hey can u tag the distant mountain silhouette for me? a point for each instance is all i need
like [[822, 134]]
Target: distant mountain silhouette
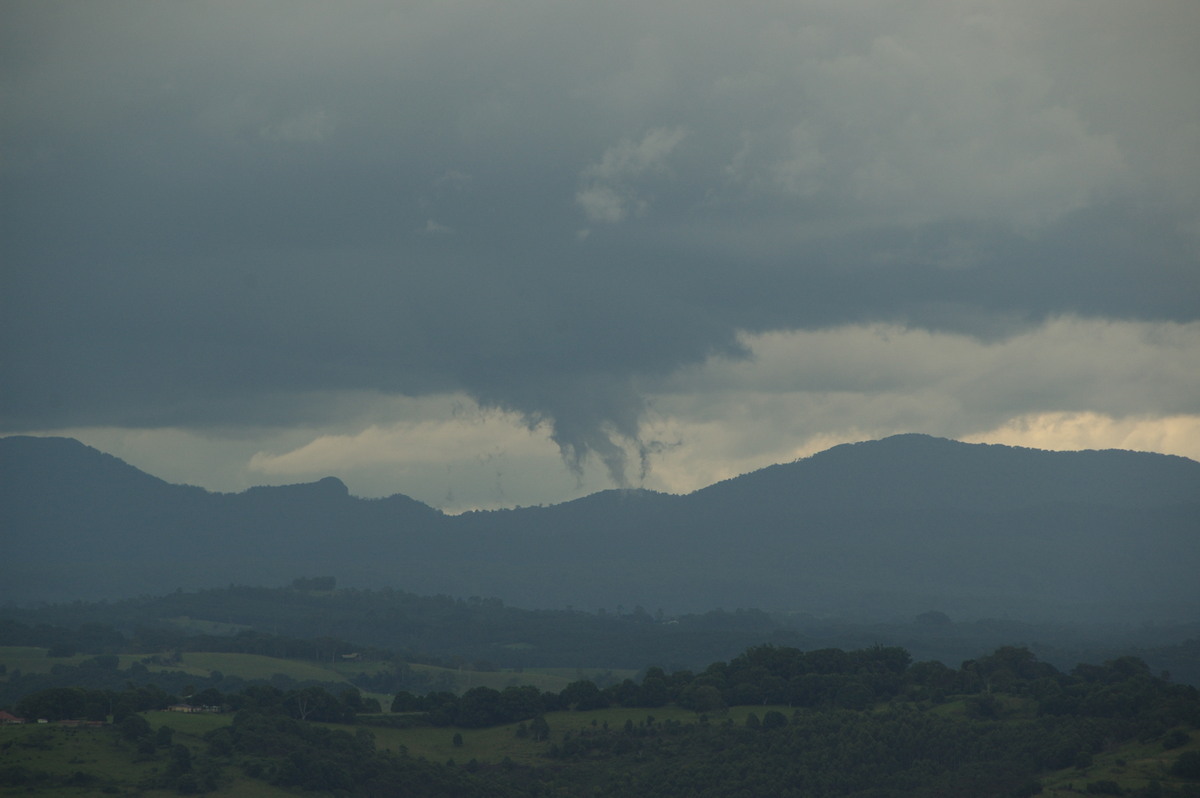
[[884, 528]]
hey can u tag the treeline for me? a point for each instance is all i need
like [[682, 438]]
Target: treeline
[[853, 680], [764, 675]]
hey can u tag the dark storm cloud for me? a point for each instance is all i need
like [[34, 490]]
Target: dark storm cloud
[[221, 214]]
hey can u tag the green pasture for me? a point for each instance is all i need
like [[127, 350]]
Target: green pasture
[[115, 768], [252, 666], [1131, 767], [568, 675], [1008, 707], [492, 745], [200, 626], [30, 659], [101, 753], [64, 750], [545, 679], [190, 724], [111, 764]]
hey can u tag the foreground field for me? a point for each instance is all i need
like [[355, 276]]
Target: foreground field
[[54, 760], [787, 723], [494, 745], [1133, 769], [90, 762]]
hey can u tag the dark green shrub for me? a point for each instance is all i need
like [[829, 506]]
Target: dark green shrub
[[1187, 766]]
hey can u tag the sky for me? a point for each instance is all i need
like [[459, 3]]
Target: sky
[[494, 254]]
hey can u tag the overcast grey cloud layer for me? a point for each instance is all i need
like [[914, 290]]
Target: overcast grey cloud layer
[[284, 215]]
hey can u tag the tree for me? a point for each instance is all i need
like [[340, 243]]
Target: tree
[[478, 707], [539, 729], [133, 727], [774, 720], [407, 702], [164, 737], [520, 703], [56, 703], [584, 696], [653, 692], [316, 703], [95, 710], [181, 760], [702, 698], [352, 699], [209, 697]]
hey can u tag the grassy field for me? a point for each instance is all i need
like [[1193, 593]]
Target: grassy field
[[199, 626], [108, 762], [112, 765], [494, 744], [102, 764], [545, 679], [1131, 767], [253, 666], [28, 659]]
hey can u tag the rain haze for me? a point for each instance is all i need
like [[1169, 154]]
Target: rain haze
[[498, 254]]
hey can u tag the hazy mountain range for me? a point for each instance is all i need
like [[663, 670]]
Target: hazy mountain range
[[878, 529]]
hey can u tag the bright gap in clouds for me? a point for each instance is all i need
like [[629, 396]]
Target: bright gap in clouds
[[452, 455], [1069, 384], [1076, 431]]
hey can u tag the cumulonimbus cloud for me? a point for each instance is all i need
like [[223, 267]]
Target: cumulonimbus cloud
[[389, 199]]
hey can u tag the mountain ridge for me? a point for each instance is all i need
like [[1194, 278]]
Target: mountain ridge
[[907, 523]]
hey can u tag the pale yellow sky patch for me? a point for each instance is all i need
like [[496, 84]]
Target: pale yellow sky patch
[[420, 444], [1178, 435]]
